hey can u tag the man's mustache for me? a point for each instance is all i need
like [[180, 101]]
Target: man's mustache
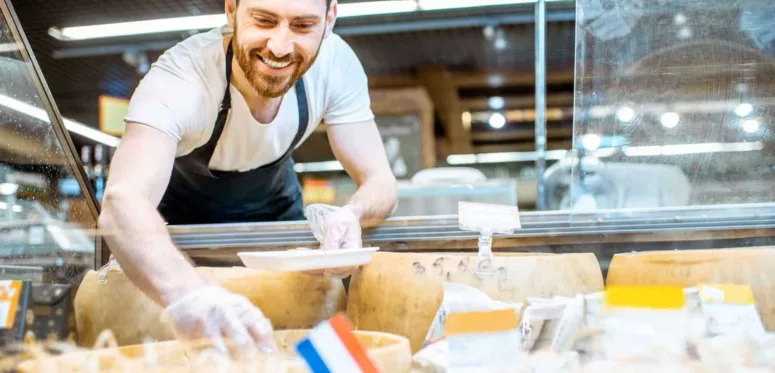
[[268, 55]]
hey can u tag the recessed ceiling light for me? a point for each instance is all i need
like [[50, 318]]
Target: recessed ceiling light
[[744, 110], [591, 141], [496, 102], [497, 121], [670, 119], [751, 125], [625, 114]]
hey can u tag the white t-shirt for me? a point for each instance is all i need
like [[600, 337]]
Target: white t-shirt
[[182, 93]]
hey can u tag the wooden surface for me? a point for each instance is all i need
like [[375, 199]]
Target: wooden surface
[[400, 293], [389, 353], [289, 300], [754, 267]]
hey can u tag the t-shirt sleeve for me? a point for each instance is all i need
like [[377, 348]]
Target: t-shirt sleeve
[[167, 100], [348, 96]]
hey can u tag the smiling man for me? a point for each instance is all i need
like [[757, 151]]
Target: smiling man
[[209, 136]]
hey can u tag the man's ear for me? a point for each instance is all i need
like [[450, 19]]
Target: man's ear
[[331, 18], [231, 12]]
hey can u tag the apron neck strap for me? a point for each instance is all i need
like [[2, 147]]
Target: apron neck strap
[[226, 102]]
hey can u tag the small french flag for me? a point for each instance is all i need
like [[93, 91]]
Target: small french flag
[[331, 347]]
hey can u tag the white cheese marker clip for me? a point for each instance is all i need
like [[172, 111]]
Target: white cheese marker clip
[[488, 220]]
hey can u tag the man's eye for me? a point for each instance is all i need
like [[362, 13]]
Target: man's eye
[[264, 22], [304, 26]]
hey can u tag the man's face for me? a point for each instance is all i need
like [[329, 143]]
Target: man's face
[[276, 41]]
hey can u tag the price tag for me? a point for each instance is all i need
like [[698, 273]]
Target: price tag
[[487, 340], [729, 309], [481, 216], [10, 291]]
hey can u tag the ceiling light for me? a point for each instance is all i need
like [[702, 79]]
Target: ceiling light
[[744, 110], [456, 4], [202, 22], [500, 44], [139, 27], [495, 80], [467, 118], [497, 121], [497, 102], [685, 33], [8, 47], [591, 141], [8, 189], [489, 32], [210, 21], [682, 149], [625, 114], [508, 157], [670, 119], [70, 125], [751, 125]]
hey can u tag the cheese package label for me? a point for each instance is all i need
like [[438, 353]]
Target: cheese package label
[[10, 291], [729, 309], [644, 318], [649, 297], [730, 294], [483, 340], [482, 322]]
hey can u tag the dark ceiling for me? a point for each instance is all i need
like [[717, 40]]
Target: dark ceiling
[[389, 45]]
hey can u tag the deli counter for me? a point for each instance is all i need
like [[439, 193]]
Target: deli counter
[[666, 198]]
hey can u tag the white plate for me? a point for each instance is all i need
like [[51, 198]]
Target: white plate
[[306, 260]]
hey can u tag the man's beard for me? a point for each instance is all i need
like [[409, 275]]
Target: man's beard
[[267, 85]]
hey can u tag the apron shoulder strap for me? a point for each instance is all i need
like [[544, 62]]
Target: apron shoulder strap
[[220, 123], [301, 99]]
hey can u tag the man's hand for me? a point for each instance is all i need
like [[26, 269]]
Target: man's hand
[[342, 230], [337, 228], [212, 313]]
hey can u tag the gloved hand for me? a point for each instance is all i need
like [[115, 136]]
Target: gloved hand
[[342, 230], [336, 228], [213, 313]]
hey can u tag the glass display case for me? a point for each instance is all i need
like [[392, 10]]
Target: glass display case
[[673, 123], [47, 210]]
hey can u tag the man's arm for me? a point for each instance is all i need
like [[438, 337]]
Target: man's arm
[[134, 230], [359, 148]]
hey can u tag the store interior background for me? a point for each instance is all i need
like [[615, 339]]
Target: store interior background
[[456, 88]]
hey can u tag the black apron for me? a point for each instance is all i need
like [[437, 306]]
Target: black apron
[[198, 195]]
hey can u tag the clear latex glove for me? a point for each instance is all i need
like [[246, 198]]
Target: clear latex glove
[[214, 314], [335, 228]]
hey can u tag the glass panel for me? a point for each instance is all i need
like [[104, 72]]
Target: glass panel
[[673, 107], [45, 215]]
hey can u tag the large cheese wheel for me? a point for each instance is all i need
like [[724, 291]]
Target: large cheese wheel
[[390, 353], [753, 267], [400, 293], [290, 300]]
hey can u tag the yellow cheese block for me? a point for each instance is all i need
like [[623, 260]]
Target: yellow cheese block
[[400, 293], [390, 353], [752, 267], [290, 300]]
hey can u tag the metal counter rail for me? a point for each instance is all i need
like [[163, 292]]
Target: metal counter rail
[[756, 220]]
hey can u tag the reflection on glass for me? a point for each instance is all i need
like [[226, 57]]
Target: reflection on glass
[[674, 105], [44, 215]]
